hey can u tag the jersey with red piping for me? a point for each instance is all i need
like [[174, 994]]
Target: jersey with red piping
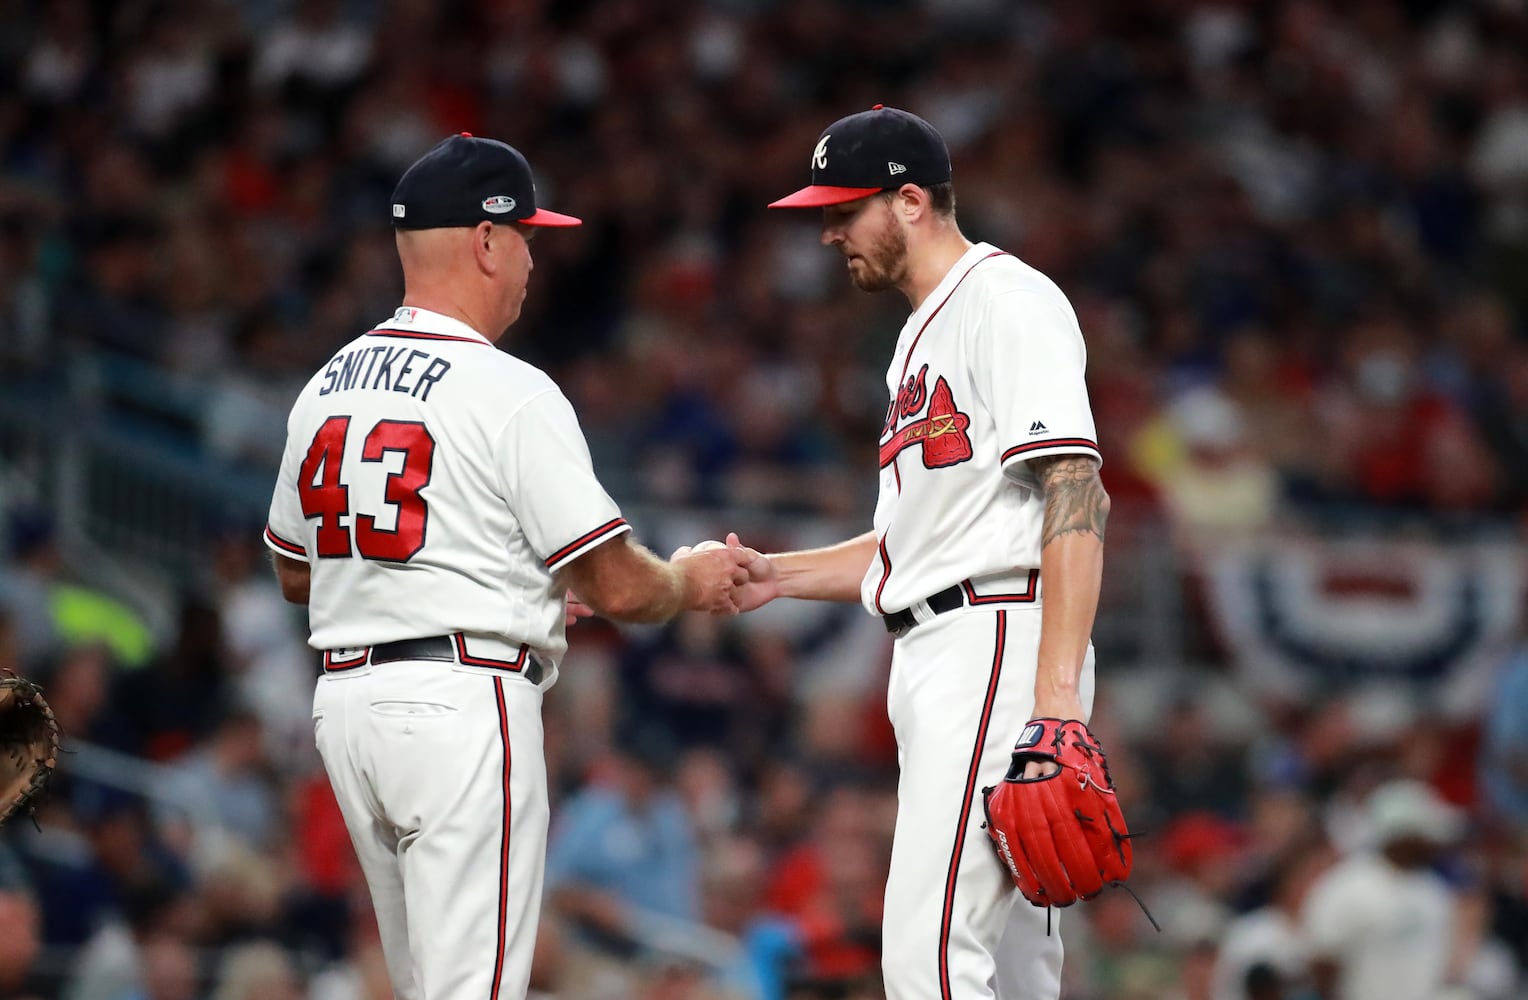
[[435, 485], [987, 375]]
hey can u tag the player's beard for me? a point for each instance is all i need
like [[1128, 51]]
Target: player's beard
[[884, 262]]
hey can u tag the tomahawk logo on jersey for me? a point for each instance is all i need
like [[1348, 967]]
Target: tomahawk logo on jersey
[[941, 432], [962, 406]]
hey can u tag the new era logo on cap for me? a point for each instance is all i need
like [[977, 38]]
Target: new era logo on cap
[[876, 150]]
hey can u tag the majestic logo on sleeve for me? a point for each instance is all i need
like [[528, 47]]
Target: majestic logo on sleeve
[[941, 432]]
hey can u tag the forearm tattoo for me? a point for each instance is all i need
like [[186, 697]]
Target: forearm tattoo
[[1075, 500]]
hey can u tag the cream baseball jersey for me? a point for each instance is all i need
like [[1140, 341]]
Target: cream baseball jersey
[[987, 374], [434, 485]]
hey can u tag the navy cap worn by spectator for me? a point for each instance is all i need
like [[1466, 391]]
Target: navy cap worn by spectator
[[30, 532], [872, 151], [466, 180]]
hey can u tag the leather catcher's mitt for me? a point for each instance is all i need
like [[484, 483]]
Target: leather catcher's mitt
[[1062, 837], [28, 744]]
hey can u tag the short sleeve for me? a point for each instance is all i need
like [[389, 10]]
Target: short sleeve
[[548, 476], [285, 526], [1029, 366]]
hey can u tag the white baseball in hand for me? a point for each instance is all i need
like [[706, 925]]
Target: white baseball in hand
[[685, 551]]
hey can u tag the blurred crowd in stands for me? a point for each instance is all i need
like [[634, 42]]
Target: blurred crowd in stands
[[1296, 235]]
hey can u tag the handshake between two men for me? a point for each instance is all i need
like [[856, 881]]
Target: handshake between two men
[[729, 577], [719, 578]]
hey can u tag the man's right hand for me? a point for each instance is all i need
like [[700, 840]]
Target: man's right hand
[[711, 577], [763, 583]]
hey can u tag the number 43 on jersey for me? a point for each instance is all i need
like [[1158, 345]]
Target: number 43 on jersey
[[327, 497]]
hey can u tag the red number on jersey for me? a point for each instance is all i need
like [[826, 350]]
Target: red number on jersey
[[407, 535], [327, 498]]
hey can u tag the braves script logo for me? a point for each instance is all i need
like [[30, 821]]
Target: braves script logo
[[820, 154], [941, 433]]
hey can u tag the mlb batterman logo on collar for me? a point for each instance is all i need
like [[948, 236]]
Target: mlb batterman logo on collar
[[872, 151], [466, 180]]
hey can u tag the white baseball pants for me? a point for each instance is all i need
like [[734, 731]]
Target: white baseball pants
[[961, 689], [440, 773]]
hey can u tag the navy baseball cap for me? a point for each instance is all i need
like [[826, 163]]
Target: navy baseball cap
[[876, 150], [466, 180]]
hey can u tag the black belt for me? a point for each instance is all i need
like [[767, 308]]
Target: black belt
[[898, 623], [442, 647], [436, 647]]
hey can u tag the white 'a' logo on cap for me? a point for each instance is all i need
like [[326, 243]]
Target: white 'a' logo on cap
[[820, 154]]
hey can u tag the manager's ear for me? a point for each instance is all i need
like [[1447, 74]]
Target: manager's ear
[[487, 247]]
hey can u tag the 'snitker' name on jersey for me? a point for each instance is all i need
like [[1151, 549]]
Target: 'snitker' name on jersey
[[386, 368]]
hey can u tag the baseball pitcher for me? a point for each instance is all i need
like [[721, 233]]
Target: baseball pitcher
[[985, 563]]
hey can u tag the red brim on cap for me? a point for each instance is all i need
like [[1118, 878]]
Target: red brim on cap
[[541, 217], [818, 195]]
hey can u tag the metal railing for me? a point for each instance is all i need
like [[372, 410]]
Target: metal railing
[[143, 778], [132, 505], [127, 504]]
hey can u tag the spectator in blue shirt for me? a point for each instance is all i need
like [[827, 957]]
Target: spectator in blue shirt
[[1504, 760], [623, 852]]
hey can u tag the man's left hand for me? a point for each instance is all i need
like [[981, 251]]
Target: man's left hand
[[576, 609]]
